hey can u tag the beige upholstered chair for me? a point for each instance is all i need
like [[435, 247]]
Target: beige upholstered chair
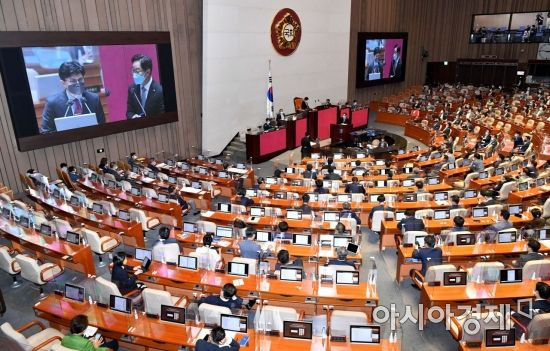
[[43, 340], [99, 244], [9, 264], [252, 264], [38, 274], [340, 322], [272, 317], [147, 223], [210, 314], [153, 299]]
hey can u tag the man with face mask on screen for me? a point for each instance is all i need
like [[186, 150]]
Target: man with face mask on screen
[[74, 100], [145, 97]]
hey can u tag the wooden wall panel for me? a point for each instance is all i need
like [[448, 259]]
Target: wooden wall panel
[[441, 27], [183, 18]]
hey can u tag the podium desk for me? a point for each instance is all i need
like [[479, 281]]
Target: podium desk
[[392, 118], [359, 117], [75, 257], [295, 131], [340, 133], [132, 233], [263, 146], [320, 119], [418, 133]]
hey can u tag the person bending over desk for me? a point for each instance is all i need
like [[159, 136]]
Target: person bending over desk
[[429, 255], [76, 341], [124, 280], [283, 260], [227, 298], [348, 213], [342, 255], [216, 341], [410, 223], [489, 234]]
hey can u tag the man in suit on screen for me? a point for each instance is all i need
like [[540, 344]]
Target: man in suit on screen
[[145, 96], [395, 70], [73, 100]]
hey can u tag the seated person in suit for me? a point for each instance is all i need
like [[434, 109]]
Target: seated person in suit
[[72, 174], [429, 255], [152, 165], [214, 258], [342, 254], [248, 247], [145, 96], [380, 207], [282, 234], [76, 340], [103, 164], [533, 247], [420, 187], [458, 224], [340, 229], [113, 169], [331, 175], [164, 239], [537, 223], [132, 160], [267, 125], [355, 187], [243, 200], [227, 298], [358, 168], [124, 280], [410, 223], [489, 234], [348, 213], [329, 163], [73, 100], [319, 187], [455, 202], [174, 195], [309, 173], [518, 140], [216, 341], [477, 164], [283, 260], [541, 304], [305, 103], [492, 195], [306, 209]]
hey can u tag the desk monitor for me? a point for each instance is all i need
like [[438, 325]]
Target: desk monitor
[[184, 166], [151, 174], [200, 157], [56, 193], [408, 182], [145, 264], [433, 180], [218, 162], [74, 201], [135, 169], [353, 248], [454, 278], [364, 334], [523, 186], [442, 214], [195, 185], [385, 171], [170, 163], [541, 181], [298, 330], [414, 148], [234, 323], [202, 170], [120, 304], [483, 175], [327, 183], [73, 238], [512, 275], [289, 170], [162, 197], [451, 166], [172, 180], [399, 215], [224, 207], [380, 162], [326, 239], [331, 216], [479, 212], [466, 163], [315, 156], [190, 227], [381, 183], [291, 274], [187, 262], [270, 180], [470, 194], [373, 197], [465, 239], [514, 167], [240, 166], [111, 184], [123, 215], [515, 209], [251, 193], [400, 152], [506, 236], [525, 163], [441, 196], [423, 158], [263, 236], [359, 172], [74, 292], [343, 198], [135, 191], [337, 156], [419, 240], [97, 208], [301, 239], [280, 195], [499, 171], [500, 338], [223, 174], [338, 171], [543, 234], [341, 241], [94, 176], [24, 221], [347, 277], [141, 254], [407, 170], [46, 229], [257, 211], [237, 268], [224, 232], [409, 197], [6, 213], [297, 182], [360, 155], [294, 214]]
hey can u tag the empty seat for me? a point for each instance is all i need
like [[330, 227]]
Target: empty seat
[[377, 217], [272, 317], [38, 274], [537, 269], [153, 299], [340, 322], [433, 274], [99, 244], [485, 272], [147, 223], [62, 227], [210, 314], [9, 264], [166, 252], [104, 289], [43, 340], [206, 227]]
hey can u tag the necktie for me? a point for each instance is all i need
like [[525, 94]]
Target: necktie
[[77, 107], [143, 95]]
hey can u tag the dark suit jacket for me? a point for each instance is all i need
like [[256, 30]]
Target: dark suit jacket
[[246, 201], [114, 173], [306, 144], [518, 141], [56, 106], [395, 70], [125, 281], [411, 224], [332, 176], [305, 105], [309, 174], [154, 105], [429, 257], [378, 208], [203, 345], [542, 305], [355, 188], [528, 257], [350, 214]]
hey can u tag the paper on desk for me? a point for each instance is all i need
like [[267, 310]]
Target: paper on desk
[[162, 165], [191, 190], [238, 282], [207, 214], [89, 331], [223, 243], [147, 180], [237, 170]]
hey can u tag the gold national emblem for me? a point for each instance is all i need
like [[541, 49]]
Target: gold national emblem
[[286, 31]]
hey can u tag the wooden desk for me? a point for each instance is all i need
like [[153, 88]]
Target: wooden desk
[[265, 145], [392, 118], [75, 257], [131, 231], [518, 347], [418, 133], [466, 255], [516, 197], [340, 133], [409, 155], [341, 190], [168, 213]]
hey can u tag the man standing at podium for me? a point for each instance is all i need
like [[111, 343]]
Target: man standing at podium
[[306, 145], [72, 101], [145, 96]]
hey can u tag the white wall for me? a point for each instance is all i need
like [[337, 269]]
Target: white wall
[[236, 50]]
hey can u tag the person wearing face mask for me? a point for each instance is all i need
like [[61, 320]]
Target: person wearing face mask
[[132, 160], [113, 169], [395, 70], [74, 100], [376, 68], [145, 96]]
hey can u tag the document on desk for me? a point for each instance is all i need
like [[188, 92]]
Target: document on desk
[[191, 190], [162, 165], [89, 331], [147, 180], [442, 203], [223, 243], [207, 214], [238, 282], [237, 170]]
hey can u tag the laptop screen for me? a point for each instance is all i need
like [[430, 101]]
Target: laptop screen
[[120, 304], [469, 194], [454, 278], [250, 193], [515, 209], [24, 222], [263, 236], [124, 215], [224, 207], [373, 198], [364, 334], [46, 229], [347, 277], [187, 262], [478, 212], [163, 197], [399, 215], [301, 239], [513, 275], [257, 211], [442, 214], [499, 171], [441, 196], [500, 338], [224, 232], [298, 330], [542, 234], [523, 186], [419, 240], [75, 201], [73, 238], [195, 185], [331, 216], [341, 241], [74, 292], [380, 183], [270, 180], [98, 208], [142, 253], [111, 184], [343, 197], [483, 175], [506, 237], [234, 323], [172, 180], [433, 181], [135, 191], [465, 239], [237, 268], [291, 274], [408, 182], [222, 174], [189, 227], [293, 214]]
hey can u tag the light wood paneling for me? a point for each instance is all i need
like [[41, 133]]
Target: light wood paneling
[[440, 26], [183, 18]]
